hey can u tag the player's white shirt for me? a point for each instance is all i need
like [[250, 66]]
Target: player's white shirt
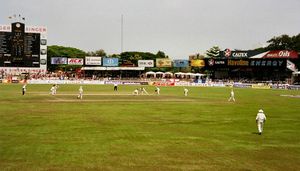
[[24, 87], [261, 117], [157, 90], [232, 94], [135, 92], [80, 90], [185, 91]]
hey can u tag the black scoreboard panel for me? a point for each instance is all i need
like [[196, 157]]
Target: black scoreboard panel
[[19, 49]]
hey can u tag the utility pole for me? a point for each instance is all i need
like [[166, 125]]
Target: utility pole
[[122, 33]]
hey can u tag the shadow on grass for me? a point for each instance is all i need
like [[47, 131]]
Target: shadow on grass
[[255, 133]]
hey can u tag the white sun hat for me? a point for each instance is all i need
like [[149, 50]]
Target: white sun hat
[[260, 111]]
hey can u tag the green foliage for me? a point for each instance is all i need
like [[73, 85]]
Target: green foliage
[[99, 52], [284, 42], [213, 52]]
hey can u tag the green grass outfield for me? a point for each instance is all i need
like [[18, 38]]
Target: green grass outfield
[[119, 131]]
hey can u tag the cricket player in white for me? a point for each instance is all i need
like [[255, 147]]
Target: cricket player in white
[[185, 91], [231, 96], [157, 90], [135, 92], [53, 90], [80, 93], [260, 120], [24, 89]]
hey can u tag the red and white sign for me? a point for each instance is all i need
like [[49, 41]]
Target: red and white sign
[[145, 63], [286, 54], [281, 54], [5, 28], [35, 29], [75, 61], [227, 52], [28, 29]]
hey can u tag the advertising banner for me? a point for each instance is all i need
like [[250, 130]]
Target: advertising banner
[[216, 62], [75, 61], [282, 54], [145, 63], [268, 63], [59, 60], [238, 63], [163, 62], [197, 63], [227, 53], [92, 60], [286, 54], [180, 63], [111, 62]]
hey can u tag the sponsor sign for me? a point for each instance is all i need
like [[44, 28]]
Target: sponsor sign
[[238, 63], [237, 53], [28, 29], [214, 62], [197, 63], [282, 54], [163, 62], [145, 63], [267, 63], [59, 60], [91, 60], [75, 61], [180, 63], [5, 28], [261, 86], [111, 62]]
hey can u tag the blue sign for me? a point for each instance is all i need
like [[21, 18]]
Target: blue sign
[[181, 63], [113, 62]]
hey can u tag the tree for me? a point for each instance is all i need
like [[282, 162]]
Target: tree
[[283, 42], [161, 54], [99, 52], [213, 52]]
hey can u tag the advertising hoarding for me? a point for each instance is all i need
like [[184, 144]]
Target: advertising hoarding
[[111, 62], [92, 60], [145, 63], [197, 63], [163, 62], [75, 61], [59, 60], [180, 63]]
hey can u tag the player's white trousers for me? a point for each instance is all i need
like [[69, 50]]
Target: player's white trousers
[[260, 126]]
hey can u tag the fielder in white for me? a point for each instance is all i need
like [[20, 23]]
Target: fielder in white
[[185, 91], [157, 90], [231, 96], [80, 93], [53, 90], [135, 92], [260, 120]]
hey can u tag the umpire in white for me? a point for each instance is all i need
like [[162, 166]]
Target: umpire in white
[[260, 120]]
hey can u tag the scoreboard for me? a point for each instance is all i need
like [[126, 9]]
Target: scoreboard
[[23, 48]]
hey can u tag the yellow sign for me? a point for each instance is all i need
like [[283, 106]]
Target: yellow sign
[[163, 62], [197, 63]]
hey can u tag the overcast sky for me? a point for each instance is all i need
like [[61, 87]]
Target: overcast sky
[[177, 27]]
